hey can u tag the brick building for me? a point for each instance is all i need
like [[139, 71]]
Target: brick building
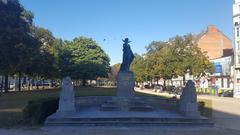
[[215, 43]]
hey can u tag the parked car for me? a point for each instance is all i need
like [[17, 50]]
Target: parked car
[[147, 86], [228, 93], [158, 88]]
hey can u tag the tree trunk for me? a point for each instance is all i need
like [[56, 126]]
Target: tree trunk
[[84, 82], [51, 83], [19, 81], [33, 84], [2, 84], [184, 80], [43, 84], [37, 84], [29, 83], [6, 88], [164, 84]]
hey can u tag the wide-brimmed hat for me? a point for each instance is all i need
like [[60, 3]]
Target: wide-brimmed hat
[[126, 40]]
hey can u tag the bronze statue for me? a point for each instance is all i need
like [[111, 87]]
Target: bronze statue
[[128, 56]]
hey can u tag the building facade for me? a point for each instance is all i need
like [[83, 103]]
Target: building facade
[[220, 52], [236, 31], [215, 43]]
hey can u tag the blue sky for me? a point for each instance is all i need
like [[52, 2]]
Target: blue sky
[[142, 21]]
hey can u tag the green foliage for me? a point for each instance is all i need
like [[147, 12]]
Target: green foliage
[[114, 71], [138, 67], [84, 59], [173, 58], [18, 46], [37, 111], [16, 43], [45, 60]]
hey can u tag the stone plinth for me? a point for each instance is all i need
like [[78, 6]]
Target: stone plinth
[[188, 101], [67, 98], [125, 85], [126, 104]]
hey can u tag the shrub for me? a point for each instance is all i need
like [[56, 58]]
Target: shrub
[[201, 107], [37, 111]]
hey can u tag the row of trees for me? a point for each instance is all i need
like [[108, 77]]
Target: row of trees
[[171, 59], [34, 51]]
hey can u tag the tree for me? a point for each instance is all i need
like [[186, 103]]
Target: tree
[[114, 72], [83, 59], [171, 59], [47, 57], [16, 41], [155, 46], [138, 68], [153, 60], [190, 57]]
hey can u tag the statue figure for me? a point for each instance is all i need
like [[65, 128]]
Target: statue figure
[[128, 56]]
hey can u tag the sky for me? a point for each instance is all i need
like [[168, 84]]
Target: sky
[[142, 21]]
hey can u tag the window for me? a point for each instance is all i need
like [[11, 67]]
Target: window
[[236, 23], [238, 80], [237, 32], [238, 59], [238, 45]]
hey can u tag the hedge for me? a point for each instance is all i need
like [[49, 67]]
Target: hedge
[[37, 111]]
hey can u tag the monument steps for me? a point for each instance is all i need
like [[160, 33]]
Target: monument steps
[[128, 121]]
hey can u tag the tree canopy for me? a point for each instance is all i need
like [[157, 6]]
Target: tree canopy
[[16, 41], [171, 59], [83, 59]]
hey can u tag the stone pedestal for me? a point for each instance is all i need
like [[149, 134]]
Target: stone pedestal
[[188, 101], [125, 85], [126, 104], [67, 98], [125, 100]]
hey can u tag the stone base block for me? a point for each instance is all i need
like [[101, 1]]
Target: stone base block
[[125, 84]]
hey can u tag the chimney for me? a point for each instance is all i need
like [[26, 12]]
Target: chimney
[[212, 29]]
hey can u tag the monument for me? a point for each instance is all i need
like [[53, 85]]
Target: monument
[[126, 108], [188, 101], [125, 78], [67, 98], [126, 100]]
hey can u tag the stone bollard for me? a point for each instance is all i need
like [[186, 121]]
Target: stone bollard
[[67, 98], [188, 101]]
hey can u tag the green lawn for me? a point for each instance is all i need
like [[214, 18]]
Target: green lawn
[[207, 110], [13, 103]]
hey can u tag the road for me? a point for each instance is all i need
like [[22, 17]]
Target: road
[[226, 111]]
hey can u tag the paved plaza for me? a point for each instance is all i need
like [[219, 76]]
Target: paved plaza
[[226, 116], [226, 110], [122, 131]]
